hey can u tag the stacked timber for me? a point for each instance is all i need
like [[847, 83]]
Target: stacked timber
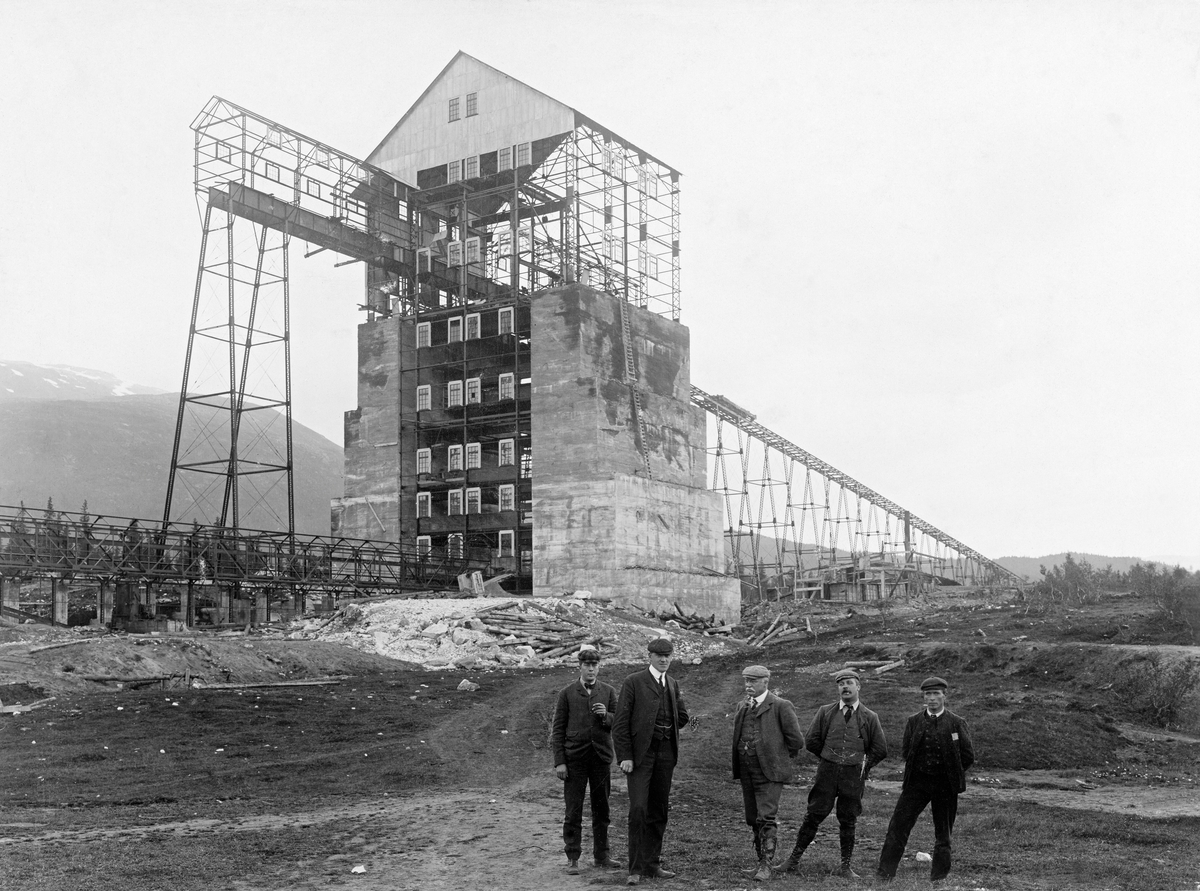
[[693, 622], [550, 636], [779, 631]]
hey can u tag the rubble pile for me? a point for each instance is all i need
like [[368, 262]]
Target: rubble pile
[[481, 633]]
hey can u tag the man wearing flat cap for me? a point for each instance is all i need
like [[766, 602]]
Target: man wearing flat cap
[[937, 754], [766, 736], [583, 755], [848, 739], [650, 714]]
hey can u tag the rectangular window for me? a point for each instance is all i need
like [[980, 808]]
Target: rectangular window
[[473, 326], [526, 466], [507, 543], [473, 389], [507, 388], [424, 500], [507, 453], [473, 500], [454, 109], [652, 266], [424, 545], [454, 502], [454, 455], [454, 329], [454, 544], [471, 167], [273, 171], [522, 154], [508, 498], [424, 333], [454, 253], [424, 460], [472, 249], [454, 393], [424, 397], [504, 158], [504, 321], [473, 454], [472, 104], [454, 172], [224, 152]]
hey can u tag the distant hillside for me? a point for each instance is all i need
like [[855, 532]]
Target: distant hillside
[[1030, 566], [115, 450], [25, 380]]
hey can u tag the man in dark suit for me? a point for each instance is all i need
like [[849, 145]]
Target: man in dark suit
[[849, 740], [650, 714], [766, 736], [937, 754], [583, 754]]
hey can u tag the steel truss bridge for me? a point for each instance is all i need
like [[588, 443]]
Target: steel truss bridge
[[281, 573]]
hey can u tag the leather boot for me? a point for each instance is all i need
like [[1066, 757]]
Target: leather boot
[[847, 844], [766, 857], [757, 850], [803, 840]]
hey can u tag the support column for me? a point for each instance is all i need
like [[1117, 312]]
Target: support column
[[58, 602], [260, 614], [10, 596], [104, 602], [185, 605], [151, 600]]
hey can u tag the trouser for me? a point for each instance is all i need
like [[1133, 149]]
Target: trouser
[[919, 790], [649, 785], [834, 783], [760, 798], [582, 773]]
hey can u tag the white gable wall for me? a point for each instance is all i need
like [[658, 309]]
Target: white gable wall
[[509, 113]]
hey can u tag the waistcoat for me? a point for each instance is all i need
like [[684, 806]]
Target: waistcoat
[[843, 743]]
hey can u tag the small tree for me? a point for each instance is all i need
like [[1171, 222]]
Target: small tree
[[1167, 690]]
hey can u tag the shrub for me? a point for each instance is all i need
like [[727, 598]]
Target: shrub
[[1165, 690]]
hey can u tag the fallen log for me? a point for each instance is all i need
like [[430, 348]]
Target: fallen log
[[315, 682]]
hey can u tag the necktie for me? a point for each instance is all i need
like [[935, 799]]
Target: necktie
[[848, 712], [588, 688], [749, 702]]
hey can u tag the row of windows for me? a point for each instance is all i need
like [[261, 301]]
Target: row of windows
[[472, 106], [505, 545], [506, 159], [467, 501], [459, 328], [467, 457], [468, 392]]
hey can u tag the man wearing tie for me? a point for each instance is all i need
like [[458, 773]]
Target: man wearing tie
[[766, 736], [583, 754], [849, 740], [650, 714]]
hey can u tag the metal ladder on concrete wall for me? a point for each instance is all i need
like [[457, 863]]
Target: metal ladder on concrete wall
[[635, 390]]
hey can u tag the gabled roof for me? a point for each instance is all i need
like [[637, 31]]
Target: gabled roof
[[580, 118]]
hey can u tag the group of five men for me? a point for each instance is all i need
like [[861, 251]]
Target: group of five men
[[641, 725]]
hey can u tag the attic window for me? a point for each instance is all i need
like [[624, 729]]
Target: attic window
[[454, 109], [472, 104]]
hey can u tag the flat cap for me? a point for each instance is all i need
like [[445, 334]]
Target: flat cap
[[933, 684], [661, 645], [588, 653], [757, 672], [846, 673]]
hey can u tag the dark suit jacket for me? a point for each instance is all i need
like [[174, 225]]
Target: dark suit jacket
[[637, 707], [951, 736], [874, 742], [779, 738], [576, 730]]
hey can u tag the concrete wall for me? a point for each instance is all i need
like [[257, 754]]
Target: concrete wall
[[598, 522], [370, 506]]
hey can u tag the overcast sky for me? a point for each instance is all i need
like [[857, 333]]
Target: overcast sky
[[949, 247]]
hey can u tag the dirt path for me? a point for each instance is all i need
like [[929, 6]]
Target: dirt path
[[420, 842]]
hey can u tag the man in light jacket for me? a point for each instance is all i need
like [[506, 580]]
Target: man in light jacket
[[766, 736]]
